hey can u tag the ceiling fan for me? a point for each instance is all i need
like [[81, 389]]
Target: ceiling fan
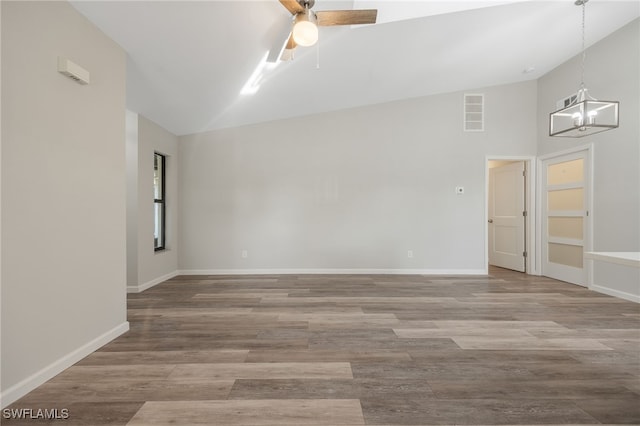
[[306, 22]]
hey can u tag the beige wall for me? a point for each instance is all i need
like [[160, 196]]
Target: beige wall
[[154, 267], [132, 199], [63, 193], [350, 190], [498, 163]]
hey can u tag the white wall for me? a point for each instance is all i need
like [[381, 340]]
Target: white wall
[[145, 266], [350, 190], [612, 70], [63, 194]]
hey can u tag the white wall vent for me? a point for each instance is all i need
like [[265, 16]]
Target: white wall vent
[[73, 70], [473, 112], [563, 103]]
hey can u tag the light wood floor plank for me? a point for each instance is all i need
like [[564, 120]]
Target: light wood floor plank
[[528, 343], [428, 333], [259, 370], [319, 355], [493, 324], [265, 412], [164, 357]]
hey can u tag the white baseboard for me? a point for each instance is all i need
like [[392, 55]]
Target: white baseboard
[[142, 287], [616, 293], [332, 272], [22, 388]]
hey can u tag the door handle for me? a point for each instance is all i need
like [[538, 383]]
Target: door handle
[[490, 220]]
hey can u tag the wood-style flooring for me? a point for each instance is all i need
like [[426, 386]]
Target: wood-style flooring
[[503, 349]]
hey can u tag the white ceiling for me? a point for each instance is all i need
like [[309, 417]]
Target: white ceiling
[[189, 60]]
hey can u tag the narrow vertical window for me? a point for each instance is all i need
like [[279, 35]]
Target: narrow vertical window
[[159, 201]]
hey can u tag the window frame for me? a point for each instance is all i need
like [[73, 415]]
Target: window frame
[[160, 243]]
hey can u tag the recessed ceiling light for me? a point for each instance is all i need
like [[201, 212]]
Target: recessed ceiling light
[[528, 70]]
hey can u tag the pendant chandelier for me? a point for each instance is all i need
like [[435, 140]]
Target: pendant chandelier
[[585, 115]]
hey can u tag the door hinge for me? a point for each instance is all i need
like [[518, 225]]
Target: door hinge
[[524, 173], [524, 213], [524, 254]]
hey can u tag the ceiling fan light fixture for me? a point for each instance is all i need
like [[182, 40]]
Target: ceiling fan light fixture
[[305, 28]]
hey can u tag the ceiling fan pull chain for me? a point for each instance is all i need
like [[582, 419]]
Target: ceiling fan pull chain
[[317, 56]]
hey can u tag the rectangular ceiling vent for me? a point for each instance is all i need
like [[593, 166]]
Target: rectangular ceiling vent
[[563, 103], [473, 112]]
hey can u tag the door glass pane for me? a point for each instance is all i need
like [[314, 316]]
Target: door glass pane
[[565, 254], [566, 172], [565, 199], [566, 227]]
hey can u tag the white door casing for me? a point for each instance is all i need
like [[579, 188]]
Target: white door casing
[[506, 208]]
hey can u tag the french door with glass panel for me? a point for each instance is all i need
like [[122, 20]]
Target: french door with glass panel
[[564, 216]]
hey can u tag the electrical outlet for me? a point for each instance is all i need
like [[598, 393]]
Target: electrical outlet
[[459, 190], [244, 254], [410, 254]]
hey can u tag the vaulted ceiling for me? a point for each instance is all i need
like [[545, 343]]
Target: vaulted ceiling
[[188, 61]]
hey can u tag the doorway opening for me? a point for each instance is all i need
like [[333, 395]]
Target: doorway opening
[[510, 204]]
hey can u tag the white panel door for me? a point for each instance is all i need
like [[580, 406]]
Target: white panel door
[[564, 217], [507, 217]]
